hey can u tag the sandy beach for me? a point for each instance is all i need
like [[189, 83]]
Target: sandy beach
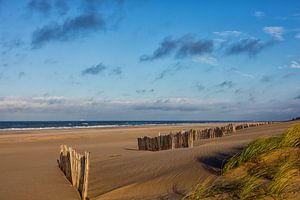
[[29, 169]]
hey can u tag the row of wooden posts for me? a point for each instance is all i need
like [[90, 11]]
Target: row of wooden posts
[[75, 166], [248, 125], [164, 142], [213, 132], [184, 139]]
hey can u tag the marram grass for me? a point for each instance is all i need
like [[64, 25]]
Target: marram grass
[[200, 191], [268, 168], [290, 138], [249, 188], [281, 180]]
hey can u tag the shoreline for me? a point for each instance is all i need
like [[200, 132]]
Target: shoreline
[[15, 130], [20, 130]]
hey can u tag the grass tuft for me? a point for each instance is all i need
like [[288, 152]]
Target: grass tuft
[[291, 138], [282, 178], [200, 191], [249, 188]]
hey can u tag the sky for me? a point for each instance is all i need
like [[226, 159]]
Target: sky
[[149, 60]]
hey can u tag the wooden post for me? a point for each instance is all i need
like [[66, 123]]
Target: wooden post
[[72, 162], [190, 140], [179, 140], [172, 141], [76, 168], [86, 175], [233, 128], [141, 144], [148, 145]]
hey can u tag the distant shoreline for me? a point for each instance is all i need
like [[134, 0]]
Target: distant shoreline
[[62, 125]]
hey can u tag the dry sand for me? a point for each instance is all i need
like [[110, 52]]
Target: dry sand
[[28, 168]]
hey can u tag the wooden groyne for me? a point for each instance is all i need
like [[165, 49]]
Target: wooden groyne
[[75, 166], [248, 125], [184, 139], [164, 142], [213, 132]]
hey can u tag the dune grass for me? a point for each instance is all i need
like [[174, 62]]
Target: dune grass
[[290, 138], [200, 191], [268, 168], [284, 174]]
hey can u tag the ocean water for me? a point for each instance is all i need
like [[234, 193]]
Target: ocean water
[[20, 125]]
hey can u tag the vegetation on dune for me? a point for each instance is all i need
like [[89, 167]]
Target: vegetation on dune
[[268, 168], [291, 138]]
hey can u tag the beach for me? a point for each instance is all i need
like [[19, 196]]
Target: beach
[[118, 170]]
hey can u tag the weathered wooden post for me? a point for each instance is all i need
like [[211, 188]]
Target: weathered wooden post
[[172, 141], [210, 133], [159, 138], [178, 140], [153, 141], [147, 143], [217, 132], [184, 136], [86, 175], [76, 168], [141, 144], [190, 139], [233, 128]]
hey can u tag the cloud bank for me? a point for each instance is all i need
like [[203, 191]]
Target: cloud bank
[[63, 108], [202, 49]]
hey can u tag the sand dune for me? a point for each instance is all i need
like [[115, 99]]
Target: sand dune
[[29, 170]]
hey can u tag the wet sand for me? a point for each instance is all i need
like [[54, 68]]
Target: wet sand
[[28, 168]]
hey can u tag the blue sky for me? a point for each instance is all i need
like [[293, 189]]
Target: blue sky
[[149, 60]]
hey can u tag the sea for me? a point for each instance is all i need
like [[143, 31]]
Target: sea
[[25, 125]]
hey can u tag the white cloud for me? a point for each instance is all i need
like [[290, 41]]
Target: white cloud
[[207, 59], [295, 65], [296, 15], [241, 73], [245, 74], [229, 33], [282, 67], [259, 14], [275, 31]]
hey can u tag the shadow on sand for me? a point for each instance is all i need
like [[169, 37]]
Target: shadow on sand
[[215, 163], [131, 149]]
